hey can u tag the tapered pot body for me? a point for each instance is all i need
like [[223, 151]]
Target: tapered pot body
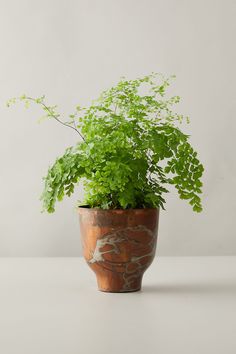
[[119, 245]]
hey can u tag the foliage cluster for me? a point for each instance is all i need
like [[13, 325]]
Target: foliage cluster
[[130, 149]]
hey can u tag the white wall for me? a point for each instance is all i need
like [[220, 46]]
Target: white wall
[[70, 50]]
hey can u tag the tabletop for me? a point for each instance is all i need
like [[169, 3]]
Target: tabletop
[[52, 306]]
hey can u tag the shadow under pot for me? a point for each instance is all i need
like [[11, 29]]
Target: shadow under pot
[[119, 245]]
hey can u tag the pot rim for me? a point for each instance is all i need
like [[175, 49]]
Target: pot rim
[[118, 211]]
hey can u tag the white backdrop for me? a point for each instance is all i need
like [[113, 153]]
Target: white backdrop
[[70, 50]]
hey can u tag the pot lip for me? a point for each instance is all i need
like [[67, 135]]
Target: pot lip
[[84, 208]]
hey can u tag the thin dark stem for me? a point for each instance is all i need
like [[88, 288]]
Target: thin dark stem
[[57, 119], [61, 122]]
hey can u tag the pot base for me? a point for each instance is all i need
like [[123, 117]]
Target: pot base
[[121, 291], [113, 282]]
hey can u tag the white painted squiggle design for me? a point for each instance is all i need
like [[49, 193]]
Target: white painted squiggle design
[[133, 268], [107, 240]]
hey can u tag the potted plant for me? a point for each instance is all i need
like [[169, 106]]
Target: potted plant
[[130, 149]]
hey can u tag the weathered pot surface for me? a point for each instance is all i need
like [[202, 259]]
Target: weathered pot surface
[[119, 245]]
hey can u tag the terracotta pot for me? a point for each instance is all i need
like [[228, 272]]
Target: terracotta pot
[[119, 245]]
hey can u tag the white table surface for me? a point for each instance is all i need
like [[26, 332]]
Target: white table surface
[[52, 306]]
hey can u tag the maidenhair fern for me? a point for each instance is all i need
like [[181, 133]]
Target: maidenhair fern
[[130, 148]]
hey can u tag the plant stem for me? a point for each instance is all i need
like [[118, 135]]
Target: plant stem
[[57, 119]]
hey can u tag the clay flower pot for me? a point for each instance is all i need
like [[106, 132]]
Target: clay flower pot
[[119, 245]]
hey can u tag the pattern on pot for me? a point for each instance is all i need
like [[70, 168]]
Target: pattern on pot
[[110, 252]]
